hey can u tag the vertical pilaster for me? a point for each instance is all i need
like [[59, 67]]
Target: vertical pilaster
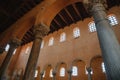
[[39, 32], [14, 43], [108, 41]]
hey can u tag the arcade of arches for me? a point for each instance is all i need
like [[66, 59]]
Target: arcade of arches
[[85, 49]]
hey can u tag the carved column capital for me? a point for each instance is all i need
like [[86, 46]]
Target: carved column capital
[[54, 73], [89, 69], [41, 73], [40, 30], [15, 42], [90, 3], [69, 71]]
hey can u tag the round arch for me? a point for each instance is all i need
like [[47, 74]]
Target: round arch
[[53, 10], [45, 67], [61, 66], [80, 65], [76, 60], [96, 65], [93, 58], [46, 72], [58, 64]]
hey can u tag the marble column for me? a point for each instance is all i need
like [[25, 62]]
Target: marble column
[[14, 43], [39, 32], [89, 70], [108, 42], [69, 74], [54, 75], [41, 76]]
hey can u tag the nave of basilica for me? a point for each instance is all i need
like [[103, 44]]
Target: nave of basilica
[[60, 40]]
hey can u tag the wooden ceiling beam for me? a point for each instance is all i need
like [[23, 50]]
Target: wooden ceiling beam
[[62, 18], [74, 6], [24, 9], [28, 6], [21, 6], [57, 22], [28, 35], [4, 12], [39, 1], [20, 12], [53, 27], [23, 40], [30, 32], [3, 44], [32, 3], [69, 14]]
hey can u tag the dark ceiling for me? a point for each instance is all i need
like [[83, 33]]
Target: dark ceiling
[[12, 10]]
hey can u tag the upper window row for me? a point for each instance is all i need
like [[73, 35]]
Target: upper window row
[[76, 33], [112, 19]]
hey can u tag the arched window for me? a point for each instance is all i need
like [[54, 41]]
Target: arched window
[[62, 37], [36, 73], [62, 72], [113, 20], [51, 41], [74, 71], [92, 27], [42, 44], [51, 75], [7, 47], [103, 66], [76, 32]]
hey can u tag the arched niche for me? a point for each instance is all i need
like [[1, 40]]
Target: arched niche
[[96, 65], [46, 72], [61, 66], [80, 64]]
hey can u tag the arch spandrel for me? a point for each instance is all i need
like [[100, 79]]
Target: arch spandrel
[[19, 33], [50, 12]]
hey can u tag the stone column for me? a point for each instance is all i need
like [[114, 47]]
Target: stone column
[[41, 76], [89, 73], [69, 74], [39, 32], [54, 75], [14, 43], [108, 42]]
